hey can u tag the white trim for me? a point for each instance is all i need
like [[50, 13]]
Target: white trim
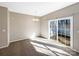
[[4, 46], [8, 27], [16, 40], [48, 29], [57, 30], [71, 33], [75, 50]]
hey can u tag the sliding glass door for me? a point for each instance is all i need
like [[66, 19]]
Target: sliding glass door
[[61, 30]]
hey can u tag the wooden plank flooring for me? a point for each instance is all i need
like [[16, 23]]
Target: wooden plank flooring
[[20, 48], [25, 48]]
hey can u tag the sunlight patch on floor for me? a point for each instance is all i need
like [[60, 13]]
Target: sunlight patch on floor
[[47, 47], [57, 50], [44, 51]]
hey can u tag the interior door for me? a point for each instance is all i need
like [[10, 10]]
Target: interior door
[[3, 27]]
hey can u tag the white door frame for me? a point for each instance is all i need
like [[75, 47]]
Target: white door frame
[[71, 28]]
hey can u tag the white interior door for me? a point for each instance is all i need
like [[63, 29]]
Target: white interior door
[[3, 27]]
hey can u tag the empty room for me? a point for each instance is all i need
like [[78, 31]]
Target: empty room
[[39, 28]]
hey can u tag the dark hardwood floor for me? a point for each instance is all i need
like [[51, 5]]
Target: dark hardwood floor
[[20, 48], [25, 48]]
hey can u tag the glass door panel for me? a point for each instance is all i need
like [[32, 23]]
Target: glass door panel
[[64, 31], [53, 30], [61, 31], [68, 32]]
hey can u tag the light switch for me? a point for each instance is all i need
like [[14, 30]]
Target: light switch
[[3, 30]]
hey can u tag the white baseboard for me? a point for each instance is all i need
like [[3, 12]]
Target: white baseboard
[[16, 40], [75, 50], [4, 46], [10, 42]]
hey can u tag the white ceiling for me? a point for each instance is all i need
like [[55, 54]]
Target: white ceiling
[[35, 8]]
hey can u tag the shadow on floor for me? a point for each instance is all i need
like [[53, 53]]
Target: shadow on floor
[[66, 49], [20, 48]]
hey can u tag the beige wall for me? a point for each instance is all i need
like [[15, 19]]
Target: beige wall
[[22, 26], [76, 32], [72, 10], [3, 27]]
